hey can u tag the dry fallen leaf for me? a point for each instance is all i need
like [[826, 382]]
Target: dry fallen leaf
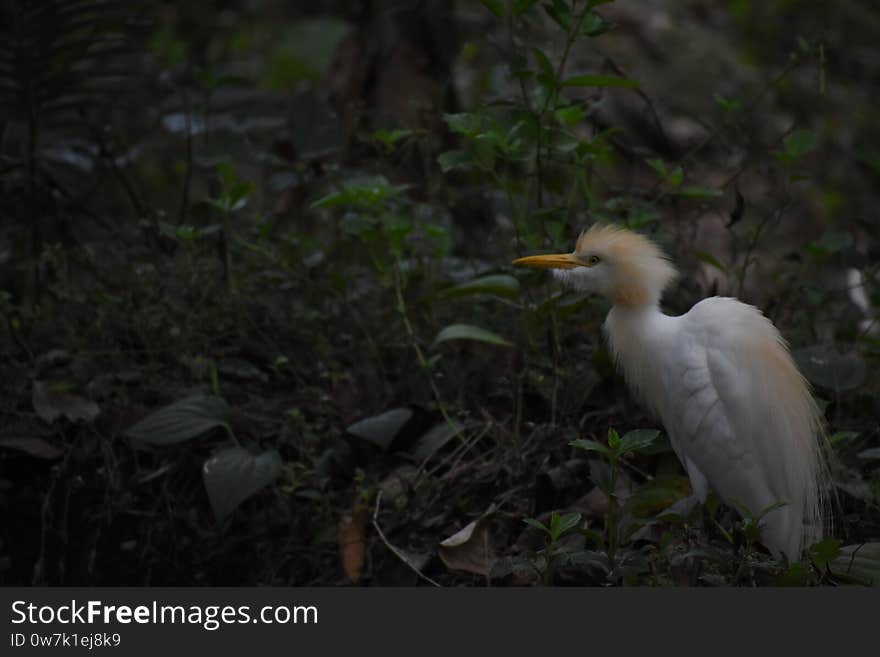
[[470, 549], [352, 542], [50, 404], [36, 447]]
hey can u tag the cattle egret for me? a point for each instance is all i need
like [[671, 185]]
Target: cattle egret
[[738, 413]]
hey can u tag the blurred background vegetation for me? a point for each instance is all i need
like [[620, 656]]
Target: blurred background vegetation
[[258, 320]]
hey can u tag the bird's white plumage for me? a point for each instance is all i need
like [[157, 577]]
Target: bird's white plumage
[[737, 412], [739, 415]]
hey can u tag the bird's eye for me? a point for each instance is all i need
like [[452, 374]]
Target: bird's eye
[[593, 260]]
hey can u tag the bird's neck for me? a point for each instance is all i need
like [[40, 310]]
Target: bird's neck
[[637, 338], [637, 317]]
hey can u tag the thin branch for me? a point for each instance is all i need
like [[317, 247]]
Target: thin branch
[[397, 552]]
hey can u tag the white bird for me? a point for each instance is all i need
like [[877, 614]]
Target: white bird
[[738, 412]]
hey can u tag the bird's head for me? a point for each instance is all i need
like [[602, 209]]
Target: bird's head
[[617, 263]]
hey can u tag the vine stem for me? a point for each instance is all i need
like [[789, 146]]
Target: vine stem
[[420, 355]]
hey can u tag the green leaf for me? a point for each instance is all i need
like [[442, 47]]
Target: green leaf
[[658, 165], [842, 436], [181, 421], [560, 12], [559, 525], [369, 193], [469, 332], [451, 160], [825, 551], [233, 474], [709, 259], [465, 123], [547, 75], [390, 137], [594, 24], [657, 495], [599, 81], [799, 142], [502, 285], [676, 177], [824, 366], [832, 241], [861, 562], [381, 429], [495, 6], [591, 446], [638, 439], [522, 6], [440, 434], [613, 440], [569, 116], [531, 522], [727, 104]]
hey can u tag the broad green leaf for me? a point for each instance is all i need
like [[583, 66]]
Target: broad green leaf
[[367, 193], [569, 116], [832, 241], [824, 366], [638, 439], [470, 332], [522, 6], [182, 420], [465, 123], [825, 551], [594, 24], [841, 436], [233, 474], [451, 160], [599, 81], [561, 524], [861, 562], [495, 6], [381, 429], [502, 285], [799, 142], [658, 495], [658, 165], [560, 12], [390, 137], [531, 522], [440, 434], [591, 446]]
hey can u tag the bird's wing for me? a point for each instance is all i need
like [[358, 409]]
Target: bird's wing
[[706, 394], [745, 417]]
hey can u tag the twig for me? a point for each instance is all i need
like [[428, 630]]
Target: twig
[[423, 362], [398, 553], [749, 107], [187, 177]]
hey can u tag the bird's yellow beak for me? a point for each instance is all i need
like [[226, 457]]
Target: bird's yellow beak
[[555, 261]]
